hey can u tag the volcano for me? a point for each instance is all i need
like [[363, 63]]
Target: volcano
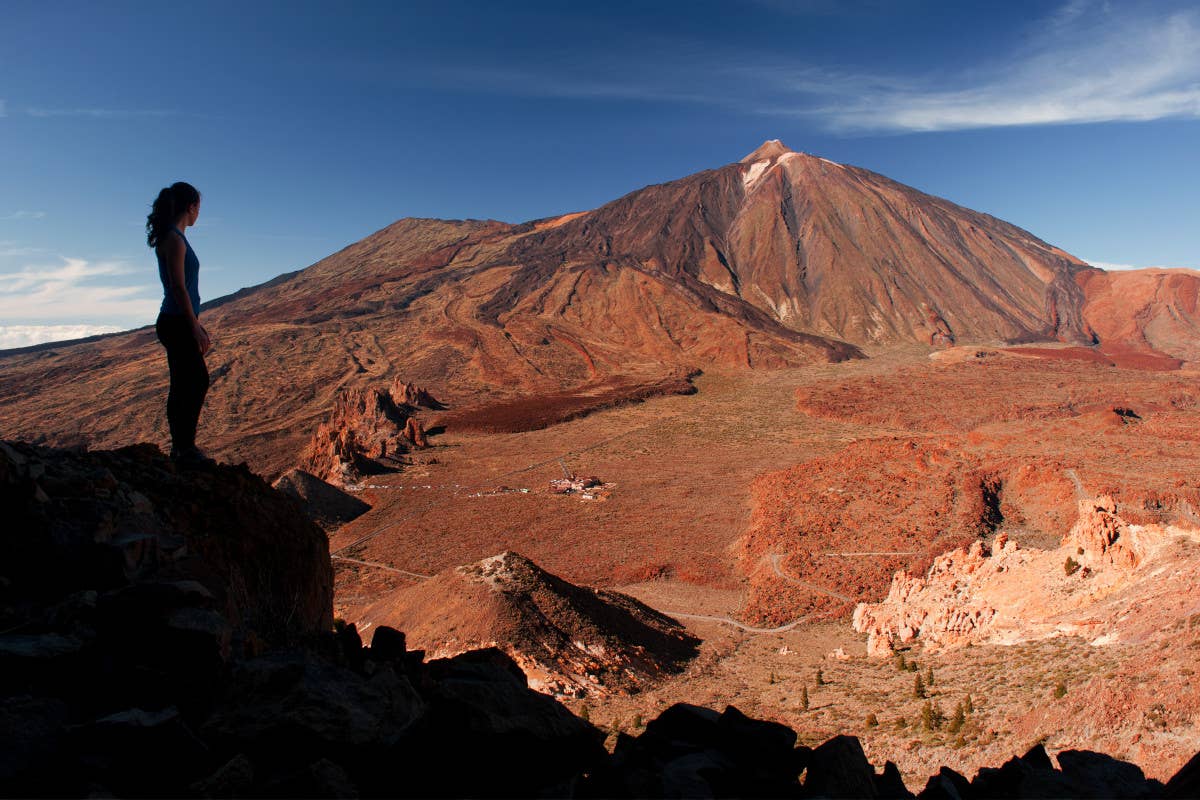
[[780, 259]]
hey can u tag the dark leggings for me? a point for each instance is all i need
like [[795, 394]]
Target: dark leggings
[[189, 378]]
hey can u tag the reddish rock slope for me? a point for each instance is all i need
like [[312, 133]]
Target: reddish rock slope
[[1144, 311], [780, 259]]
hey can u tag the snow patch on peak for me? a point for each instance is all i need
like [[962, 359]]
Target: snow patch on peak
[[754, 173]]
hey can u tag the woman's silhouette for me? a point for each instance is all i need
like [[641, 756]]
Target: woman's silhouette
[[178, 326]]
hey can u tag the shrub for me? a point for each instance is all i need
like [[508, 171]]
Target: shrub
[[872, 720], [1060, 689], [958, 720], [820, 677], [969, 705], [585, 713], [929, 676], [637, 721], [804, 697], [1070, 566], [927, 722], [901, 664], [918, 687]]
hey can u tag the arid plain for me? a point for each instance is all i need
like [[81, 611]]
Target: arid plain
[[702, 490]]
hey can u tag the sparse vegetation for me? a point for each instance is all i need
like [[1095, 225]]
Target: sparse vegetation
[[872, 720], [820, 681], [1060, 689], [918, 687], [901, 664], [929, 676], [932, 717], [585, 713], [804, 697], [1070, 566], [958, 720]]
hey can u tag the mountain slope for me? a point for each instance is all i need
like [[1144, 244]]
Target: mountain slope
[[782, 259]]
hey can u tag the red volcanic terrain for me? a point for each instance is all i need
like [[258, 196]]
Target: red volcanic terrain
[[762, 402], [779, 260]]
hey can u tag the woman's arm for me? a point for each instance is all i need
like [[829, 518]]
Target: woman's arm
[[173, 251]]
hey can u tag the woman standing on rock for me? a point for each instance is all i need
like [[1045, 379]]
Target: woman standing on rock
[[178, 326]]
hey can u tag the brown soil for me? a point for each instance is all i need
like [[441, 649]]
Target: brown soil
[[897, 453]]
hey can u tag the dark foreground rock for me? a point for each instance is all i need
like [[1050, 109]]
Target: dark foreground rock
[[168, 634], [324, 503]]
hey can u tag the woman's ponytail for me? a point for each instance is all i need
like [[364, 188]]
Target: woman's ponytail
[[168, 207]]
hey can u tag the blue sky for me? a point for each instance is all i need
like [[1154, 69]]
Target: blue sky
[[307, 126]]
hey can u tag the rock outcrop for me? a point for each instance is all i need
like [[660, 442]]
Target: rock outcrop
[[570, 640], [366, 432], [105, 531], [1002, 593], [169, 634]]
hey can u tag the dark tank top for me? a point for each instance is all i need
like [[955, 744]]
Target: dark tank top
[[191, 280]]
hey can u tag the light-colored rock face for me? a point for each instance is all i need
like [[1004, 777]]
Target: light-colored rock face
[[1005, 594]]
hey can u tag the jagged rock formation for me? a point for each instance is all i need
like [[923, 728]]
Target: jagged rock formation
[[1004, 593], [366, 430], [324, 503], [569, 640]]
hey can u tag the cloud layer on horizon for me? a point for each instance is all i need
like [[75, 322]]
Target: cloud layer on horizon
[[76, 290], [13, 336]]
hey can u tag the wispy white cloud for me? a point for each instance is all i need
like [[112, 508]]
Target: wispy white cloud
[[24, 215], [97, 113], [12, 336], [1083, 61], [1087, 62], [74, 291]]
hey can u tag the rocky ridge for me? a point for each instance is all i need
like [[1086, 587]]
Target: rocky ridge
[[195, 657], [570, 641]]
